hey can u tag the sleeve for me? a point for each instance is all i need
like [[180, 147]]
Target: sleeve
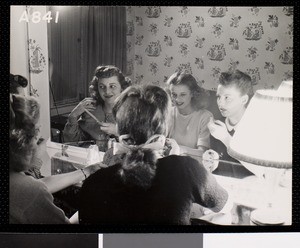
[[204, 134], [73, 132], [206, 190], [42, 209]]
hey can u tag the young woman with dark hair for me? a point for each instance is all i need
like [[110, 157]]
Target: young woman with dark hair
[[92, 118], [145, 187]]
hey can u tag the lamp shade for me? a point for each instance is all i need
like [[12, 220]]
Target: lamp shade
[[286, 88], [264, 134]]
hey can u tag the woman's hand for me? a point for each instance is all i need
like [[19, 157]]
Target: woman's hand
[[109, 128], [210, 160], [90, 169], [219, 131], [86, 104], [175, 149]]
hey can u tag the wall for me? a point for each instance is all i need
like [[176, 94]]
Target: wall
[[206, 41], [131, 36], [28, 53], [18, 43]]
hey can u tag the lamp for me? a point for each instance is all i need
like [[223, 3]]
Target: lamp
[[263, 142]]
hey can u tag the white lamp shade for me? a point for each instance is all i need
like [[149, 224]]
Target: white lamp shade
[[264, 134], [286, 88]]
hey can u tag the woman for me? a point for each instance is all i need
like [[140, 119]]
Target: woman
[[92, 118], [30, 200], [145, 187], [29, 106], [188, 118]]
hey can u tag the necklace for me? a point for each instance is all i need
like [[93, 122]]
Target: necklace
[[108, 116]]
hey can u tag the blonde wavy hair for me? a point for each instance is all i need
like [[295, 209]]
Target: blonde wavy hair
[[24, 115]]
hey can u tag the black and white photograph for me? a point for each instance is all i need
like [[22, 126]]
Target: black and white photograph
[[151, 115]]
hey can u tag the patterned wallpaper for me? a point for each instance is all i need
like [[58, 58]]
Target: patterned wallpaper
[[208, 40]]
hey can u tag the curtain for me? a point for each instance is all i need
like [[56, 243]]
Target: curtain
[[103, 40], [64, 54], [83, 38]]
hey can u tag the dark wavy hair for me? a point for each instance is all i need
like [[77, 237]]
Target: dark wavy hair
[[106, 71], [199, 95], [141, 112], [24, 115], [241, 80]]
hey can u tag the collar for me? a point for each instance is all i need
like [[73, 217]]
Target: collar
[[229, 126]]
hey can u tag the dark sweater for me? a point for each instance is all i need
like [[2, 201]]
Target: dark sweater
[[179, 182]]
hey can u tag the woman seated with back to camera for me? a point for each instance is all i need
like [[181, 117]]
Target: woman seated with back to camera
[[30, 202], [92, 118], [189, 118], [145, 187], [54, 183], [30, 198]]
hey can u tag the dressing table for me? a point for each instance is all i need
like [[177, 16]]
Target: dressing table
[[246, 194]]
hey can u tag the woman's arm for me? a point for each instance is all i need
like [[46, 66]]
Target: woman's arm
[[109, 128], [185, 150], [194, 153], [58, 182], [208, 192], [219, 131], [72, 131]]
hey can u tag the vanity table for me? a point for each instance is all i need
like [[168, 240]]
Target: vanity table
[[247, 194]]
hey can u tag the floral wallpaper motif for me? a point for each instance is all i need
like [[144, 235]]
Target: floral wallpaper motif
[[37, 60], [206, 41]]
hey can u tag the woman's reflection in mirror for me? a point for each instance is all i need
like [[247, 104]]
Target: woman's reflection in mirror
[[92, 118]]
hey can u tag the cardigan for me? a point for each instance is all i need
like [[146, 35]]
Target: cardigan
[[85, 128], [30, 202], [179, 181]]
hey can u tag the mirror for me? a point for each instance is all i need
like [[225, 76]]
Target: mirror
[[148, 43]]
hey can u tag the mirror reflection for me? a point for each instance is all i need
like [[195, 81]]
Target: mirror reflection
[[84, 38]]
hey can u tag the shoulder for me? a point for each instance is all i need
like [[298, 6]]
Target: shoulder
[[181, 162], [183, 168], [28, 187], [202, 116], [204, 113], [103, 176], [26, 182]]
